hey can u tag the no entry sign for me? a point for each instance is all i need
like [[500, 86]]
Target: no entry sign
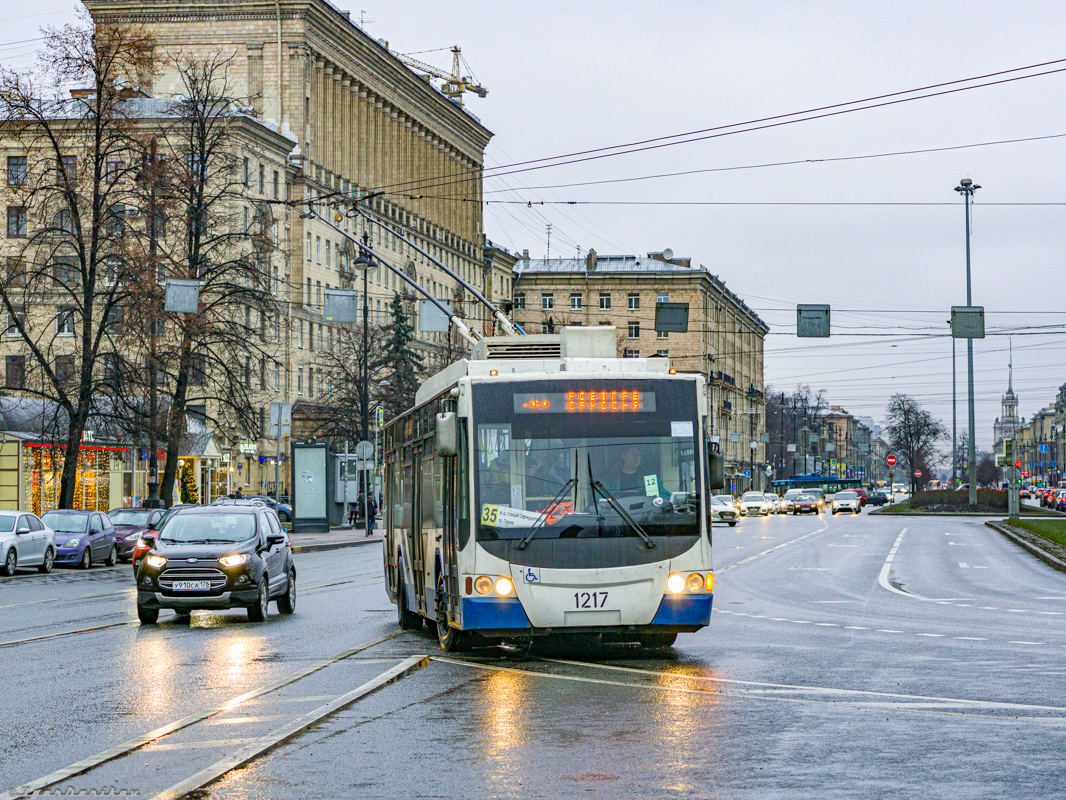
[[917, 473], [891, 460]]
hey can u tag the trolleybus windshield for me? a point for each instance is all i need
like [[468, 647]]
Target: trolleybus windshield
[[558, 459]]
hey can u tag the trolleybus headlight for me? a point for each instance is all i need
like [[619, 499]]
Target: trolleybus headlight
[[675, 584], [695, 582], [710, 581], [483, 585], [504, 586]]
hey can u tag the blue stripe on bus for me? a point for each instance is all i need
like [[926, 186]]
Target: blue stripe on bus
[[693, 609], [482, 613]]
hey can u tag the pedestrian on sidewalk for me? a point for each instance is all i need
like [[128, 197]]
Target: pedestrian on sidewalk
[[372, 514]]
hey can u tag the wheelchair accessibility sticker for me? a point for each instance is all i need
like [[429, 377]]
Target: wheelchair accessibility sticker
[[531, 574]]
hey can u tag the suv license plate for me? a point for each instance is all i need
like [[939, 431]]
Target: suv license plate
[[192, 586]]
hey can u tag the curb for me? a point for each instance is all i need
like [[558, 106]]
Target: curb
[[1046, 557], [315, 548]]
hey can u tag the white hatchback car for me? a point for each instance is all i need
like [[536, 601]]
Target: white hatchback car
[[25, 541], [755, 503], [847, 501]]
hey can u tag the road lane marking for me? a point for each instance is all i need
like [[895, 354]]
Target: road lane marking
[[767, 552], [14, 642], [938, 635], [882, 579], [31, 603], [886, 630], [855, 628], [86, 764], [273, 739], [971, 639], [827, 690], [1040, 643]]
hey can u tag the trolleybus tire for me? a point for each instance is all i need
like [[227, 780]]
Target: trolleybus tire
[[452, 640], [405, 618], [658, 641]]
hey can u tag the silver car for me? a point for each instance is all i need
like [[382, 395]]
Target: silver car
[[25, 541], [847, 501]]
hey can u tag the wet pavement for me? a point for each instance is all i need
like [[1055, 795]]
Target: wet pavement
[[846, 657]]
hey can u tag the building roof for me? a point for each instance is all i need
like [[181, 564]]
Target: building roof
[[651, 264]]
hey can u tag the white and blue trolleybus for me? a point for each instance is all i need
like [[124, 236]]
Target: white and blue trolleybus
[[546, 487]]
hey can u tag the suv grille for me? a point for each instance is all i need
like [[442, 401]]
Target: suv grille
[[217, 577]]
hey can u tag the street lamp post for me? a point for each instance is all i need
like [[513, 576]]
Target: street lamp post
[[365, 263], [966, 188]]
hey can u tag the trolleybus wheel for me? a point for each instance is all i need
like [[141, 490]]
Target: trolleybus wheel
[[452, 640], [407, 620], [657, 641]]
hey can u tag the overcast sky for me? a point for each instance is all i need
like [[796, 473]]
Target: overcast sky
[[567, 76]]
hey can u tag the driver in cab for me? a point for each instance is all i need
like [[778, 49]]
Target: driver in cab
[[631, 477]]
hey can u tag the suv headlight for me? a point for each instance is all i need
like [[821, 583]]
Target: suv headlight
[[235, 560], [155, 561]]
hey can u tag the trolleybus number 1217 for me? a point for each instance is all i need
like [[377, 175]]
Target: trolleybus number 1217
[[590, 599]]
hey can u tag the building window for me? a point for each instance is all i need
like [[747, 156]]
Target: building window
[[300, 381], [65, 321], [662, 297], [68, 170], [262, 179], [318, 293], [327, 253], [11, 331], [64, 369], [16, 170], [318, 249], [664, 353], [575, 301], [605, 301], [276, 184], [115, 221], [547, 301], [662, 335], [197, 370], [634, 330], [277, 377], [16, 221], [299, 334], [627, 353], [520, 302], [15, 372], [634, 301], [310, 381], [114, 167], [247, 174], [308, 248]]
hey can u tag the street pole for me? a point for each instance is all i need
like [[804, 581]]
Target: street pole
[[954, 423], [152, 501], [966, 188]]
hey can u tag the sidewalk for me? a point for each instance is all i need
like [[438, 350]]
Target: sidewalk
[[337, 538]]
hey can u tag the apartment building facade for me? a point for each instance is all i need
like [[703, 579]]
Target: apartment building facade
[[724, 341]]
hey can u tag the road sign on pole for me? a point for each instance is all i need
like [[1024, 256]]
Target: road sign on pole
[[891, 460], [917, 473]]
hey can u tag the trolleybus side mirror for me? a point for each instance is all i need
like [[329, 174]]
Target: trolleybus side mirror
[[715, 466], [447, 433]]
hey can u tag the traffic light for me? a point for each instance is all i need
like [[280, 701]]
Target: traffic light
[[1017, 464]]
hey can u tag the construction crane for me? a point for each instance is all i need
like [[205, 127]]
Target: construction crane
[[455, 84]]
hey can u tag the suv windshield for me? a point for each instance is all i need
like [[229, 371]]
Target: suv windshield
[[542, 446], [220, 528], [129, 517], [62, 522]]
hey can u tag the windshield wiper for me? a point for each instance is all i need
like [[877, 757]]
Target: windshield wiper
[[544, 514], [599, 488]]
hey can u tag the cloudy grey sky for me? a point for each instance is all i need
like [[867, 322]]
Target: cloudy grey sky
[[567, 76]]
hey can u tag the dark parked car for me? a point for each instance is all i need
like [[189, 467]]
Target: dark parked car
[[877, 498], [129, 524], [226, 556], [83, 538]]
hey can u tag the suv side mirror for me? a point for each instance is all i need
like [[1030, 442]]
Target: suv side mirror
[[149, 539], [275, 539]]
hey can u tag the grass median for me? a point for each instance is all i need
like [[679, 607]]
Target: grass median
[[1054, 530]]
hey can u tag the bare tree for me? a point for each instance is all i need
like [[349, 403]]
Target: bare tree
[[913, 433], [205, 227], [340, 397], [64, 284]]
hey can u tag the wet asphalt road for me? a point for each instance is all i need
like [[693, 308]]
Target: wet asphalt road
[[824, 673]]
